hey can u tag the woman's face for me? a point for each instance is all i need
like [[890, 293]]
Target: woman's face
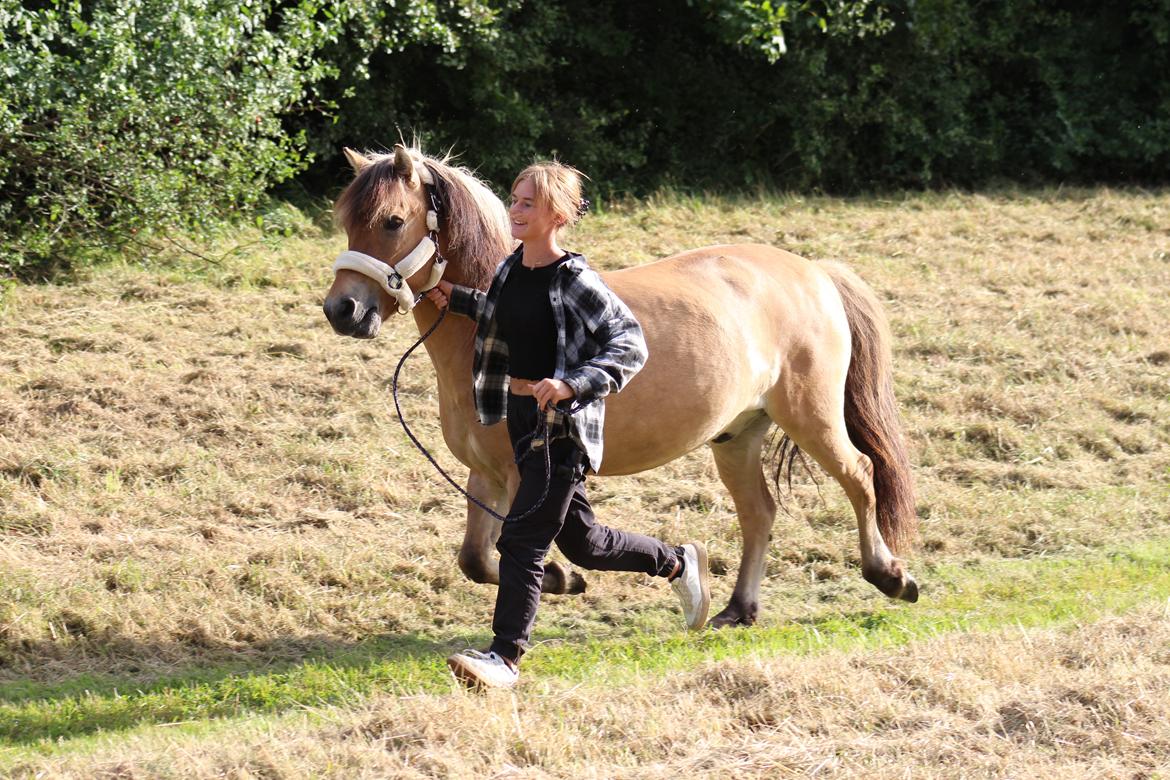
[[529, 219]]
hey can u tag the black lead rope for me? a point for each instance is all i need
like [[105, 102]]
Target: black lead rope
[[541, 437]]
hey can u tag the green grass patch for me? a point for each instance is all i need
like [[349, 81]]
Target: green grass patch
[[92, 704], [1030, 594]]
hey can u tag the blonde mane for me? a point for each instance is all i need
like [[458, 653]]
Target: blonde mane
[[474, 221]]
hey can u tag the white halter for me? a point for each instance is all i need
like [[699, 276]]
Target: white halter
[[392, 279]]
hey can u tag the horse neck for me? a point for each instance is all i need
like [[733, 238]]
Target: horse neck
[[450, 346], [486, 239], [450, 350]]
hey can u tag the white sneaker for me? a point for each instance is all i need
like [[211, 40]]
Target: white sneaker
[[483, 670], [692, 586]]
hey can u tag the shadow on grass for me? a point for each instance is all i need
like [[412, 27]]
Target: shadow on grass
[[277, 676]]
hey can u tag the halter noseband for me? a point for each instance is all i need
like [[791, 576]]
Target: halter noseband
[[392, 278]]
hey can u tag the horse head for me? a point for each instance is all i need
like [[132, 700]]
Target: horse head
[[384, 213]]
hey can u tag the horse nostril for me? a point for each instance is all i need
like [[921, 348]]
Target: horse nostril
[[352, 316], [342, 312]]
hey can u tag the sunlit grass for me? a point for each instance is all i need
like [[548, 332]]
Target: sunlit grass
[[1034, 594], [207, 506]]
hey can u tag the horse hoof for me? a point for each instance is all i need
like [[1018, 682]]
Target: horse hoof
[[560, 579], [730, 617], [896, 585], [576, 584], [909, 590]]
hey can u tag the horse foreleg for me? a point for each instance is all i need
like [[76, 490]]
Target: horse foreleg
[[476, 557], [738, 463], [479, 537]]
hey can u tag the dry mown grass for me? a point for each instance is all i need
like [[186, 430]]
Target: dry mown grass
[[194, 469], [1086, 703]]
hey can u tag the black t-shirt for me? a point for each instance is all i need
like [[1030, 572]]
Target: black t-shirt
[[525, 321]]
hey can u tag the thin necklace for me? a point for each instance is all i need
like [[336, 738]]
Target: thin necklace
[[544, 265]]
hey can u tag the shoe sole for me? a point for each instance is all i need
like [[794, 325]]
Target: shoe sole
[[469, 677], [704, 586]]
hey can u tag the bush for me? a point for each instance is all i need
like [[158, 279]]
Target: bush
[[122, 119], [877, 95]]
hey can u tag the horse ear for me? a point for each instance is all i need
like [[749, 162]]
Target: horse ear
[[404, 165], [356, 159]]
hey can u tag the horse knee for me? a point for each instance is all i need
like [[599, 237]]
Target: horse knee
[[474, 567]]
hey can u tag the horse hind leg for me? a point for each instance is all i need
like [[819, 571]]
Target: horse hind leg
[[738, 461], [826, 441]]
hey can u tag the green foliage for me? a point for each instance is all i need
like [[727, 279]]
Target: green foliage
[[760, 26], [120, 119], [592, 83], [870, 95]]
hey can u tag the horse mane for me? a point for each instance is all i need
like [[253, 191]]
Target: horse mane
[[474, 221]]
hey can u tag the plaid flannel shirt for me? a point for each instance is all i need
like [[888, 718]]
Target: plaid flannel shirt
[[600, 346]]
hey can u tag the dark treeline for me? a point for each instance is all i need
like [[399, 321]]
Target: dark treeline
[[955, 93], [121, 120]]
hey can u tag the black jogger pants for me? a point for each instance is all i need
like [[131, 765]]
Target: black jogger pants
[[565, 517]]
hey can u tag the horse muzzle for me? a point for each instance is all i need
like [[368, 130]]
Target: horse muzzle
[[351, 317]]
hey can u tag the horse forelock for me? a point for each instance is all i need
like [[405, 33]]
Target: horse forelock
[[371, 197], [474, 221]]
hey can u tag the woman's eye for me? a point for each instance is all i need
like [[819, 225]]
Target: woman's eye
[[394, 223]]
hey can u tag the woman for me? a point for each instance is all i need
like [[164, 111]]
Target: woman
[[550, 333]]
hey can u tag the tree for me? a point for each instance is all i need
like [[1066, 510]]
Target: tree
[[121, 120]]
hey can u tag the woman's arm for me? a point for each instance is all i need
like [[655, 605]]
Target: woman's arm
[[466, 301], [622, 344]]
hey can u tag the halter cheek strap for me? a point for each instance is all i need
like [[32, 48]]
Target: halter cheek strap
[[392, 278]]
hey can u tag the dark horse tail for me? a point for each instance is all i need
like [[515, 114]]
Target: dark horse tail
[[871, 415]]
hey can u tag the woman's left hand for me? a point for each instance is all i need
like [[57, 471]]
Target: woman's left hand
[[551, 391]]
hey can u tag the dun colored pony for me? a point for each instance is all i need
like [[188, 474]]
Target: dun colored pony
[[741, 337]]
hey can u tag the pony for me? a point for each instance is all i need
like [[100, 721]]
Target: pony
[[741, 338]]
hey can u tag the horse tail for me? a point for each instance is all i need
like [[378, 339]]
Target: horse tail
[[871, 415]]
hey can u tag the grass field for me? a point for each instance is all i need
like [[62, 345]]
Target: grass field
[[220, 557]]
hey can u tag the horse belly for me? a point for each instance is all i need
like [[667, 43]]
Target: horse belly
[[722, 325], [701, 374]]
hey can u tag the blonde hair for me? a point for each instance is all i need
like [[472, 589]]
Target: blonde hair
[[557, 186]]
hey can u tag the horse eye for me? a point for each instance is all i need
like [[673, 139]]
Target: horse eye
[[394, 223]]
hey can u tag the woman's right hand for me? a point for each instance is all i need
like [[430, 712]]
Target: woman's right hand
[[440, 294]]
